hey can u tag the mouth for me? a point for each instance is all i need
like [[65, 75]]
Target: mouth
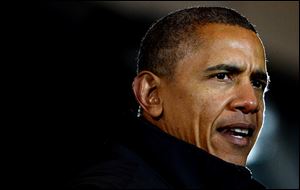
[[237, 134]]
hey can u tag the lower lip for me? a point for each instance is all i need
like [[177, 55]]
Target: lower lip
[[244, 141]]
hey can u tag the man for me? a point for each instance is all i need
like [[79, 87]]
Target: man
[[200, 85]]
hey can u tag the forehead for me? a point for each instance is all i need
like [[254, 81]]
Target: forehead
[[224, 44], [216, 35], [231, 42]]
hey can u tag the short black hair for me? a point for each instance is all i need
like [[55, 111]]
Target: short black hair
[[162, 47]]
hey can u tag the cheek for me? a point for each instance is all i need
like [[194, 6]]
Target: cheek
[[185, 106], [208, 106], [213, 107], [260, 114], [260, 118], [194, 104]]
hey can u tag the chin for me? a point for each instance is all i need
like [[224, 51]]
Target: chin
[[229, 152], [233, 157], [234, 160], [238, 162]]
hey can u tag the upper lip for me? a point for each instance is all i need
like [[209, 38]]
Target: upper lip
[[237, 125]]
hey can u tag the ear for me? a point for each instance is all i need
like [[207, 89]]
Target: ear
[[146, 90]]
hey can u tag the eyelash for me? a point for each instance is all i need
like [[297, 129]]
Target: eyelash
[[222, 76], [261, 85], [256, 83]]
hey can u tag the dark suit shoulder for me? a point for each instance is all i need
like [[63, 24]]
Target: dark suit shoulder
[[126, 171]]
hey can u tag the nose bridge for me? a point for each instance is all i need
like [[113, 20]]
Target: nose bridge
[[246, 99]]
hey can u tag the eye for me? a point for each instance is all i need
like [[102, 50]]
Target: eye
[[222, 76], [258, 84]]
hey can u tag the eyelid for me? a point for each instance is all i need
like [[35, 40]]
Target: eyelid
[[264, 84], [228, 74], [224, 72]]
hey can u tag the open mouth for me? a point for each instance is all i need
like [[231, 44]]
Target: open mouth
[[238, 134]]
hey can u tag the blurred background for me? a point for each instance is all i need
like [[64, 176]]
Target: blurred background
[[84, 62]]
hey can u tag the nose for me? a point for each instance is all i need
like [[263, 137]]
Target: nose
[[245, 99]]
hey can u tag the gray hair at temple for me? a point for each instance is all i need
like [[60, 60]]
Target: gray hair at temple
[[174, 36]]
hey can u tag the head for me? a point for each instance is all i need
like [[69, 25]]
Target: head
[[201, 78]]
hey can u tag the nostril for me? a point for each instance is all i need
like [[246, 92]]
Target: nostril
[[248, 109]]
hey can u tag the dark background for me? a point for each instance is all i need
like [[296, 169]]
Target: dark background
[[79, 82]]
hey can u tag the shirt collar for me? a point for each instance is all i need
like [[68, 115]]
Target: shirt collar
[[184, 164]]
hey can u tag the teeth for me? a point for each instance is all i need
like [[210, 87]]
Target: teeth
[[239, 137], [244, 131]]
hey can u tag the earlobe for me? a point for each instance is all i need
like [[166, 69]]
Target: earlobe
[[146, 89]]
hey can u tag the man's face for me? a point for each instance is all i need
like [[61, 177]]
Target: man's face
[[216, 99]]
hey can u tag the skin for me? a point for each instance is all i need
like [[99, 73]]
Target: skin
[[207, 96]]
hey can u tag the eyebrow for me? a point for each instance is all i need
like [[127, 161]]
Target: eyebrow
[[232, 68], [260, 75], [225, 67]]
